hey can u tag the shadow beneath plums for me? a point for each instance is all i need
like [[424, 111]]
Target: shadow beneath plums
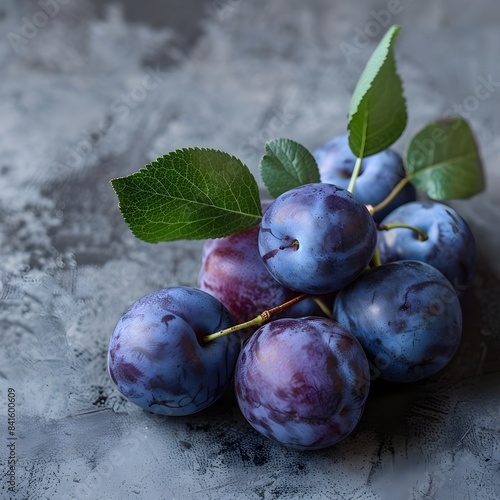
[[422, 411]]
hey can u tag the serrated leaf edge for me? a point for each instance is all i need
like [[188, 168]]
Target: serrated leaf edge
[[391, 33], [147, 167], [270, 155], [471, 156]]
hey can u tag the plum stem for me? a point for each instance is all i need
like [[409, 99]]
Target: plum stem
[[294, 244], [320, 303], [397, 188], [355, 173], [422, 235], [375, 259], [259, 320]]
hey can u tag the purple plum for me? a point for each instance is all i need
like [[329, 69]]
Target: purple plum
[[407, 317], [302, 382], [378, 176], [317, 238], [450, 247], [156, 356]]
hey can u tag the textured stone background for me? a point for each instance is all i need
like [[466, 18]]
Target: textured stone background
[[74, 113]]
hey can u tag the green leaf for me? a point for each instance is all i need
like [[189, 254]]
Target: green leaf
[[189, 194], [377, 114], [442, 159], [287, 164]]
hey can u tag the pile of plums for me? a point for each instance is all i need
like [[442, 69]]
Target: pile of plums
[[302, 379]]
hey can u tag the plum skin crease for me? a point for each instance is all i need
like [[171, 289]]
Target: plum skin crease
[[407, 317], [316, 238], [157, 360], [302, 382], [450, 248], [378, 176]]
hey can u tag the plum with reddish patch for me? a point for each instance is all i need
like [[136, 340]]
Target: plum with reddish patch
[[156, 357], [302, 382], [232, 270]]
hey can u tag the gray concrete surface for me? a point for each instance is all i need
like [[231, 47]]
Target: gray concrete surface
[[75, 112]]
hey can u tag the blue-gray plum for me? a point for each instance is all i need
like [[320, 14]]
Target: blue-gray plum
[[302, 382], [156, 356], [407, 317], [316, 238], [378, 176], [451, 246], [232, 270]]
